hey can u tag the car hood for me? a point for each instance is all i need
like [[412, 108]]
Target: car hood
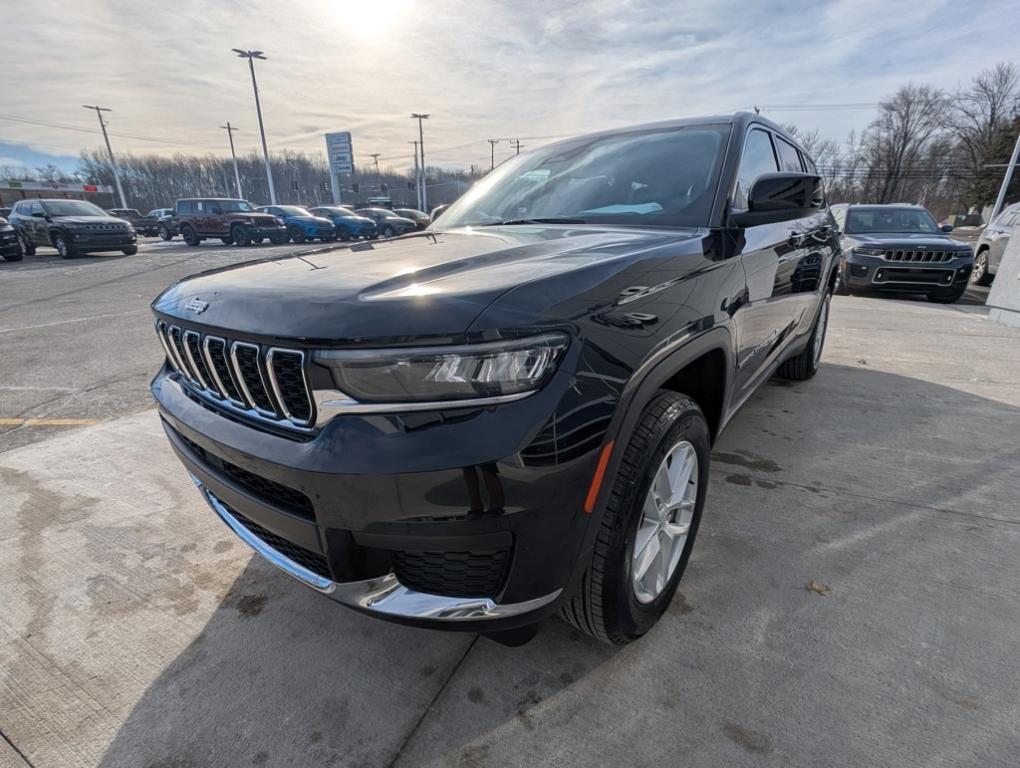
[[904, 240], [419, 286]]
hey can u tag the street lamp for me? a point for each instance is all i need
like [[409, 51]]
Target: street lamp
[[251, 56], [113, 163], [419, 116], [237, 174]]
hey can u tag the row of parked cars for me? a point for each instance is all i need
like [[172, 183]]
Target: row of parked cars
[[76, 227], [238, 221]]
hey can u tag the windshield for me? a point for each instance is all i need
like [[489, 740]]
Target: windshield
[[72, 208], [664, 177], [236, 206], [860, 221], [294, 210]]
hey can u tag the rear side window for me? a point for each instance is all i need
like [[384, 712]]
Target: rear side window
[[758, 158], [184, 206], [809, 164], [789, 157]]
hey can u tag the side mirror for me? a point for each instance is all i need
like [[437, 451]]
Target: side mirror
[[947, 228], [777, 197]]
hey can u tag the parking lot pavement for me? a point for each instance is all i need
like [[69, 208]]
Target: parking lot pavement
[[76, 334], [135, 631]]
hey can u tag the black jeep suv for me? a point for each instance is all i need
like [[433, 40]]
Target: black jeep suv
[[72, 227], [900, 249], [509, 414]]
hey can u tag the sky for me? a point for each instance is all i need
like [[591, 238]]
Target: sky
[[483, 69]]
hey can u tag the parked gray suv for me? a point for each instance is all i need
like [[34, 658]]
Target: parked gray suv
[[992, 244]]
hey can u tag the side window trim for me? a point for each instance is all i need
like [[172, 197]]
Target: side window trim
[[740, 163]]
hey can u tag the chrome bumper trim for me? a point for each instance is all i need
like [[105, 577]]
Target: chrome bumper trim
[[384, 594]]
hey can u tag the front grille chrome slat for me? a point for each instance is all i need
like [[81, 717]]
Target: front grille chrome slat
[[247, 367], [926, 257], [240, 378]]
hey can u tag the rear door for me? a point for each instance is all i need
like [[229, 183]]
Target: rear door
[[769, 255]]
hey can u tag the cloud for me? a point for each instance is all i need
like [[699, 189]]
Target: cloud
[[484, 70]]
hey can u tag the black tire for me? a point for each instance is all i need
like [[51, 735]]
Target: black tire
[[805, 365], [343, 234], [278, 238], [227, 240], [387, 231], [130, 251], [981, 275], [14, 256], [606, 606], [64, 246], [165, 233], [239, 234], [296, 234], [257, 240], [27, 247], [190, 236], [947, 298]]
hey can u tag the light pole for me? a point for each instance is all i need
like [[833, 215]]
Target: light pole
[[251, 56], [1006, 180], [237, 174], [419, 116], [492, 152], [378, 176], [417, 183], [517, 145], [113, 163]]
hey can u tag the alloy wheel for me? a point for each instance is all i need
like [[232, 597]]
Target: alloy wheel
[[980, 265], [666, 516]]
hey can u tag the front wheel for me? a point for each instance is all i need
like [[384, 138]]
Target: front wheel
[[296, 234], [981, 275], [165, 233], [343, 235], [239, 234], [27, 246], [805, 365], [130, 251], [257, 240], [648, 527], [278, 238], [387, 231], [64, 246], [14, 256]]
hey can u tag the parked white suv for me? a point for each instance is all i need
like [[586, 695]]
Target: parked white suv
[[992, 244]]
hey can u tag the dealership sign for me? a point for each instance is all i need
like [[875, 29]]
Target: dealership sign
[[340, 152]]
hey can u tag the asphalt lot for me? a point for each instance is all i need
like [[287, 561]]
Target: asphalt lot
[[135, 631]]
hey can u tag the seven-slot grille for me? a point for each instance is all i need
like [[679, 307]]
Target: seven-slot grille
[[269, 382], [927, 257]]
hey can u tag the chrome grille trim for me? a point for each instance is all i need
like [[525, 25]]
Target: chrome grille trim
[[191, 359], [918, 256], [276, 386], [223, 390], [161, 331], [176, 338], [235, 367]]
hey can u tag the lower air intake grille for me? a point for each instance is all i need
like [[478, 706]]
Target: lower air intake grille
[[453, 574], [315, 563], [268, 490]]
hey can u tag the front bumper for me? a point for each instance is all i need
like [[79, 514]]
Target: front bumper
[[873, 273], [103, 242], [397, 511], [266, 232], [9, 245]]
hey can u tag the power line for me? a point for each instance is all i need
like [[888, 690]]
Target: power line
[[62, 126]]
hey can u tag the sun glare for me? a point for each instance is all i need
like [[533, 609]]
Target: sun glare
[[371, 20]]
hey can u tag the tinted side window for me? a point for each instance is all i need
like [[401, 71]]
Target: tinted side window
[[34, 208], [809, 164], [758, 158], [184, 207], [789, 158]]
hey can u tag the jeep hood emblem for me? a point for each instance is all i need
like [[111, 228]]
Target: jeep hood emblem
[[197, 306]]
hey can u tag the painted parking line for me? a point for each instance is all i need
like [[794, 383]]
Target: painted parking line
[[47, 422]]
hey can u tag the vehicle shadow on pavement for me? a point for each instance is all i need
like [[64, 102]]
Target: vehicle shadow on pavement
[[899, 508], [283, 676]]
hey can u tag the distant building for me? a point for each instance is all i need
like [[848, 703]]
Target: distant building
[[12, 190]]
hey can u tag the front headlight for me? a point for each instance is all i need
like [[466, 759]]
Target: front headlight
[[428, 374], [870, 252]]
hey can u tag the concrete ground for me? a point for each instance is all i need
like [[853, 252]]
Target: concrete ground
[[136, 631]]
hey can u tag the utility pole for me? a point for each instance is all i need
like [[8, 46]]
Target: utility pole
[[378, 177], [417, 182], [517, 145], [419, 116], [237, 174], [251, 56], [1006, 180], [113, 163], [492, 152]]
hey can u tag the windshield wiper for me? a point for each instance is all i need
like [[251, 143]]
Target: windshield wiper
[[514, 222]]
